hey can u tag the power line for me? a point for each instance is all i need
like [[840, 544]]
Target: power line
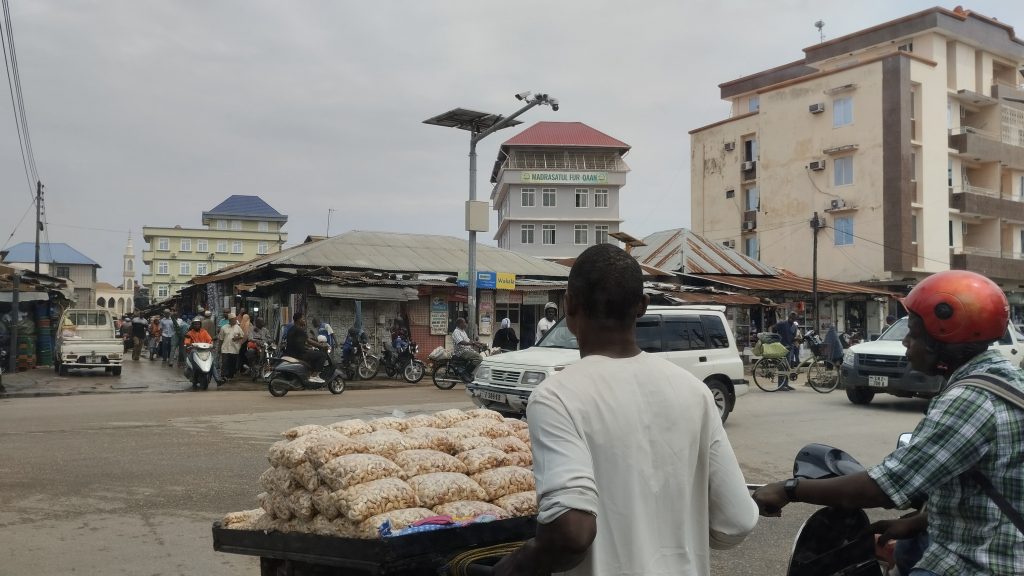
[[14, 107], [915, 254], [90, 228], [18, 225], [17, 89]]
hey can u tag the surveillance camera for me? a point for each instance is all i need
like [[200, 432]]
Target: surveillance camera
[[523, 95], [554, 104]]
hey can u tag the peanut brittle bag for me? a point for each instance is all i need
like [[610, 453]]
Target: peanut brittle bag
[[303, 430], [488, 427], [431, 438], [293, 452], [469, 509], [323, 501], [300, 503], [485, 413], [323, 452], [388, 423], [511, 444], [521, 459], [418, 462], [346, 471], [519, 504], [305, 475], [423, 421], [243, 520], [471, 443], [516, 424], [400, 519], [523, 435], [444, 487], [387, 443], [480, 460], [450, 418], [278, 479], [353, 427], [363, 501], [504, 481]]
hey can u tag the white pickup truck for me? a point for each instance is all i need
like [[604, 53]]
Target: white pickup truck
[[87, 339], [881, 366]]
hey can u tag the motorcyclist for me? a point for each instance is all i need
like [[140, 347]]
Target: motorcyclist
[[300, 346], [548, 321], [196, 334], [258, 337], [348, 347], [465, 347], [968, 435]]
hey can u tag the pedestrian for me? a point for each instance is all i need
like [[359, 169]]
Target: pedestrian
[[178, 340], [139, 331], [154, 337], [245, 323], [505, 338], [787, 331], [167, 330], [548, 321], [324, 329], [832, 346], [230, 337], [634, 470], [126, 333], [224, 319], [969, 438]]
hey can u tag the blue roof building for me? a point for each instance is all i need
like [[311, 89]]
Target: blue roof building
[[52, 253], [240, 207]]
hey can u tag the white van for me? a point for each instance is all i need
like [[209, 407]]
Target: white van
[[693, 337]]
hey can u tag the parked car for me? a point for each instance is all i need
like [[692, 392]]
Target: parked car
[[696, 338], [87, 339], [881, 366]]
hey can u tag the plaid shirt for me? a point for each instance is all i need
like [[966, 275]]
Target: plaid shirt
[[965, 428]]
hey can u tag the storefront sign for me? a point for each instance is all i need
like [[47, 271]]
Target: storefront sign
[[438, 315], [486, 312], [506, 281], [535, 298], [484, 280], [565, 177]]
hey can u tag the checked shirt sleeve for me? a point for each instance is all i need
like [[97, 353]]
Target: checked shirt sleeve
[[950, 440]]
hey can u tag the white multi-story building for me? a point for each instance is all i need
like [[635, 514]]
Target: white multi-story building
[[906, 138], [556, 189]]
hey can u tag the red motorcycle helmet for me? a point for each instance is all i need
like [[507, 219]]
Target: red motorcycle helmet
[[958, 306]]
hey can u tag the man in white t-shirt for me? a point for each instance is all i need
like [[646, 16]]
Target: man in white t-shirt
[[548, 321], [635, 474]]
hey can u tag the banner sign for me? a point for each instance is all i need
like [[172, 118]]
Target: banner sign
[[535, 298], [564, 177], [506, 281], [438, 316]]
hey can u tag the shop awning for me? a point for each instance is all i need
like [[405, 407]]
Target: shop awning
[[24, 296], [348, 292]]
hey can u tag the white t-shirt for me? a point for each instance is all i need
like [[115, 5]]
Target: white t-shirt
[[544, 326], [459, 336], [639, 443]]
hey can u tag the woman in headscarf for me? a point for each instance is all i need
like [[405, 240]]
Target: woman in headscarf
[[505, 338], [832, 348]]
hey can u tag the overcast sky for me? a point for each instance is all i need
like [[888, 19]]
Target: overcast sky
[[148, 113]]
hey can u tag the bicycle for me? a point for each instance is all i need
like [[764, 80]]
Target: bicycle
[[771, 373]]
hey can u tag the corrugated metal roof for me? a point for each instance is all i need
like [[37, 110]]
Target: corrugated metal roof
[[394, 252], [239, 205], [788, 282], [565, 134], [682, 294], [647, 270], [663, 249], [56, 253]]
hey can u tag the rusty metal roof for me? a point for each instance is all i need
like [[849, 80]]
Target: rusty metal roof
[[789, 282], [682, 294], [664, 249]]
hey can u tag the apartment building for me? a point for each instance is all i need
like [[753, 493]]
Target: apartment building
[[60, 260], [556, 189], [906, 139], [238, 229]]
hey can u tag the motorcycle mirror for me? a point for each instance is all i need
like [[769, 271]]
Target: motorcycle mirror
[[905, 439], [818, 461]]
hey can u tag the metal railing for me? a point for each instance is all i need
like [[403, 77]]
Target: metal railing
[[999, 81], [977, 251], [562, 161], [976, 131], [974, 190]]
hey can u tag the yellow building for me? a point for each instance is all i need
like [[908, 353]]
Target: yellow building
[[907, 140], [238, 229]]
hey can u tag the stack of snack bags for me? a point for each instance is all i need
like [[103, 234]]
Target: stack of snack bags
[[391, 475]]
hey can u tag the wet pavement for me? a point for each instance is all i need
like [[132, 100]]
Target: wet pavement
[[143, 375]]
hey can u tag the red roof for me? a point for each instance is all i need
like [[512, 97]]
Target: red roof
[[564, 134]]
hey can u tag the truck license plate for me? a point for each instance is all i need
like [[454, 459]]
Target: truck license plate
[[93, 360], [492, 396], [878, 381]]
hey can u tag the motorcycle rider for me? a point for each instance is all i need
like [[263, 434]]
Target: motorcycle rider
[[197, 334], [967, 433], [548, 321], [300, 346]]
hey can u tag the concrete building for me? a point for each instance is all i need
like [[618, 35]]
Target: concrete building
[[906, 138], [61, 261], [237, 230], [556, 189], [120, 300]]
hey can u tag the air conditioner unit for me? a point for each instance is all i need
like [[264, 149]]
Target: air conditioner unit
[[729, 243], [749, 165], [730, 146], [837, 204], [816, 108], [817, 165], [749, 225]]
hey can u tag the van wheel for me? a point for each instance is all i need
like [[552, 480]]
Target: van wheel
[[721, 394], [860, 395]]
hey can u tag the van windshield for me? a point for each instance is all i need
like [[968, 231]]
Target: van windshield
[[898, 330], [559, 337]]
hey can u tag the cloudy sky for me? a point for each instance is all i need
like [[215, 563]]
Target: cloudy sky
[[149, 112]]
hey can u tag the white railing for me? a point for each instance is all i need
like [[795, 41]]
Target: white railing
[[976, 131], [974, 190], [976, 251]]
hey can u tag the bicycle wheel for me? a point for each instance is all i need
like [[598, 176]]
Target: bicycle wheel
[[769, 373], [823, 376]]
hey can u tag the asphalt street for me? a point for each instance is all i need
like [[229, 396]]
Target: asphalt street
[[130, 483]]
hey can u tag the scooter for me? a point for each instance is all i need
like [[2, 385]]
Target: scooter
[[199, 365], [260, 358], [293, 374]]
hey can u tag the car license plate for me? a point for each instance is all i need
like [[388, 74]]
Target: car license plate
[[492, 396], [878, 381], [93, 360]]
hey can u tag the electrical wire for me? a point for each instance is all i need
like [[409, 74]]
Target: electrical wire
[[17, 89], [915, 254], [20, 221], [14, 106], [90, 228]]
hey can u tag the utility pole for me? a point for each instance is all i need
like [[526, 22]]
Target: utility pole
[[816, 224], [12, 358], [39, 219]]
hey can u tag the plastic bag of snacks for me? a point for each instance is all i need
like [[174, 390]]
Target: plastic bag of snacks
[[280, 505], [511, 444], [387, 443], [523, 435], [306, 475], [293, 452], [278, 479], [488, 427], [516, 424], [266, 523], [431, 438], [519, 504], [450, 418], [323, 452], [470, 509], [480, 460], [521, 459], [388, 423], [353, 427], [323, 501], [418, 462], [366, 500], [300, 503], [399, 519], [443, 487], [485, 413], [244, 520], [504, 481], [423, 421], [471, 443], [346, 471], [303, 430], [263, 499]]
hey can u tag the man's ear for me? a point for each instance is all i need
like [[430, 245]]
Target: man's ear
[[644, 303]]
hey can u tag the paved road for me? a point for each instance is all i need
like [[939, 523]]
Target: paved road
[[129, 483]]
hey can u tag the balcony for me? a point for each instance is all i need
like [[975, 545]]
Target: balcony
[[991, 263], [1006, 86], [982, 146], [984, 202]]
